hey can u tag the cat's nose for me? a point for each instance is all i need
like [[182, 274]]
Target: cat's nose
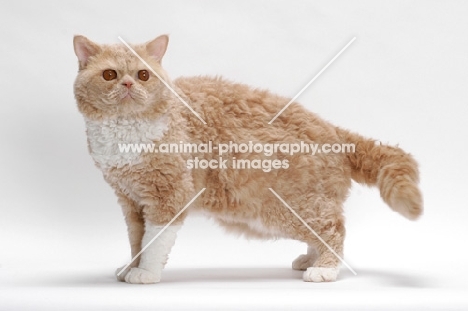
[[128, 84]]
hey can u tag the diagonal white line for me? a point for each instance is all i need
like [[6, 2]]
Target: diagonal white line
[[313, 231], [162, 80], [311, 81], [162, 230]]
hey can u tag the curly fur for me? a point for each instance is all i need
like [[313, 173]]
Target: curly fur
[[153, 187]]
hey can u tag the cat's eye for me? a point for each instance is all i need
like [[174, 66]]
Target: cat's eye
[[109, 74], [143, 75]]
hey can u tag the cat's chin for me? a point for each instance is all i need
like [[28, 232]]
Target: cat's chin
[[127, 106], [127, 96], [133, 112], [131, 109], [122, 110]]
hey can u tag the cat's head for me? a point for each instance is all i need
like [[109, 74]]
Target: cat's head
[[113, 82]]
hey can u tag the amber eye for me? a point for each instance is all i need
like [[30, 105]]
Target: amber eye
[[109, 74], [143, 75]]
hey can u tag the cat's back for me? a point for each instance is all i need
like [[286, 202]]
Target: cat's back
[[213, 95], [226, 104]]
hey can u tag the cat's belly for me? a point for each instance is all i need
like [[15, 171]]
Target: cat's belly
[[250, 227]]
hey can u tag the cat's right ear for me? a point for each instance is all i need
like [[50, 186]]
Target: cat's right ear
[[157, 47], [84, 48]]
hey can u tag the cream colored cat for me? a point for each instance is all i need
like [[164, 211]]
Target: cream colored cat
[[123, 101]]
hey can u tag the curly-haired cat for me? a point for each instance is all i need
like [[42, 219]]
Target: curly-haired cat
[[123, 101]]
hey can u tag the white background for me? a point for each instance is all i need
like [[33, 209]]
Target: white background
[[403, 81]]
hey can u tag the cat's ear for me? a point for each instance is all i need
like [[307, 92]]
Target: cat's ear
[[157, 47], [84, 48]]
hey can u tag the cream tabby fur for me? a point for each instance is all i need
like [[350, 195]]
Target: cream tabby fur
[[121, 105]]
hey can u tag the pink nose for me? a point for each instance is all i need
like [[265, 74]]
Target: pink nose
[[128, 84]]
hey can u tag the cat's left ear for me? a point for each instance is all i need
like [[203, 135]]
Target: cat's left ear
[[84, 49], [157, 47]]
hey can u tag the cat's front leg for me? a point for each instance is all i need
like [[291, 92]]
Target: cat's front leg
[[135, 228], [155, 254], [162, 194]]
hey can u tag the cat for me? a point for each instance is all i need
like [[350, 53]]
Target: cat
[[124, 101]]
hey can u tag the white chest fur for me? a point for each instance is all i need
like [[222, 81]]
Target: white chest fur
[[107, 137]]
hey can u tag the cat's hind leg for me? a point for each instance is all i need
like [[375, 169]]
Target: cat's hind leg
[[324, 233], [305, 261], [327, 265]]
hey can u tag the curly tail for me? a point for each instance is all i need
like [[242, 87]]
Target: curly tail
[[392, 170]]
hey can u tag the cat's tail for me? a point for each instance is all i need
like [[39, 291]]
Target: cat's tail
[[392, 170]]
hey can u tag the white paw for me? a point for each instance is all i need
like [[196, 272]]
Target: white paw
[[303, 262], [121, 277], [318, 274], [141, 276]]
